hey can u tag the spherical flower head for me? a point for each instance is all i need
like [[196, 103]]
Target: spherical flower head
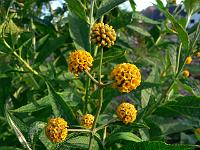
[[198, 54], [103, 35], [174, 1], [127, 77], [188, 60], [79, 61], [87, 121], [197, 133], [126, 112], [56, 130], [186, 73]]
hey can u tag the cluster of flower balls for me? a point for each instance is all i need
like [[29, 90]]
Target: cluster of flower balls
[[126, 78], [188, 61], [56, 129]]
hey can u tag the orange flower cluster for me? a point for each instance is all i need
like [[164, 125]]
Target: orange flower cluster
[[79, 61], [103, 35], [56, 130], [126, 112], [87, 121], [127, 77], [186, 73], [188, 60]]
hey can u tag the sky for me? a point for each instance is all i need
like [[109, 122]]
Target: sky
[[140, 4]]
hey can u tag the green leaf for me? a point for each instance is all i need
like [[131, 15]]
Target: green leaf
[[139, 30], [34, 106], [77, 8], [47, 143], [188, 106], [127, 136], [186, 85], [79, 31], [156, 145], [170, 125], [147, 85], [5, 89], [109, 56], [21, 125], [78, 142], [9, 148], [70, 97], [133, 5], [4, 48], [108, 93], [183, 36], [60, 107], [106, 6], [17, 125], [49, 47], [42, 41], [35, 130], [191, 6], [144, 19]]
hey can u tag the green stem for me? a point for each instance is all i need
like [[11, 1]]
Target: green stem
[[34, 37], [87, 94], [100, 65], [188, 19], [196, 36], [106, 124], [178, 58], [95, 51], [89, 79], [78, 130], [91, 19], [91, 12], [104, 135], [100, 104], [92, 78], [25, 64]]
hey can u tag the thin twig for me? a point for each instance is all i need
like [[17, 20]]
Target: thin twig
[[78, 130]]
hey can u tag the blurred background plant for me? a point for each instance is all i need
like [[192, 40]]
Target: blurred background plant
[[35, 84]]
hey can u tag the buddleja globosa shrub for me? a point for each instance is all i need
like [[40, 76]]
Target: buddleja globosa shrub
[[91, 75]]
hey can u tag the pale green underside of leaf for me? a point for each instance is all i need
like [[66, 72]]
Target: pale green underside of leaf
[[138, 16], [187, 106], [127, 136], [139, 30]]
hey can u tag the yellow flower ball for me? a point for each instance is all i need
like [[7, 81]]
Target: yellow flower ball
[[79, 61], [198, 54], [56, 130], [188, 60], [186, 73], [87, 121], [103, 35], [197, 131], [126, 112], [174, 1], [127, 77]]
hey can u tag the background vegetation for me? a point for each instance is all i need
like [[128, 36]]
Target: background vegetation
[[35, 83]]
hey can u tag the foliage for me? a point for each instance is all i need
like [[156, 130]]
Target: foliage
[[36, 84]]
